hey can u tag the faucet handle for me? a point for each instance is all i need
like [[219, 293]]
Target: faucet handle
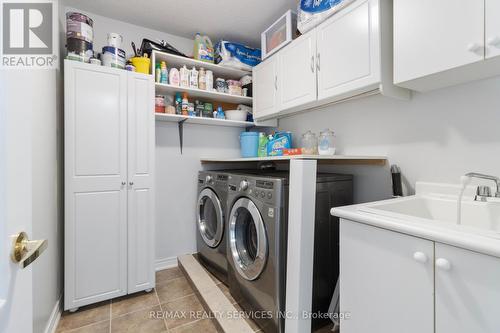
[[483, 192]]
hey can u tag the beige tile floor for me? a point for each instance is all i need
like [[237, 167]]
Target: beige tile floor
[[142, 312]]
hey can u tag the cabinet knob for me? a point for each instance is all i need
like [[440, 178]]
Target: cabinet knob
[[124, 183], [420, 257], [443, 264], [494, 41], [131, 183], [475, 48]]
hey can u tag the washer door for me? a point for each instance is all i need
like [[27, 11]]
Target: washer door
[[210, 217], [247, 239]]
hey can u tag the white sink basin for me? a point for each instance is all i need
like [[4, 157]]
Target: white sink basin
[[438, 204], [432, 213], [484, 216]]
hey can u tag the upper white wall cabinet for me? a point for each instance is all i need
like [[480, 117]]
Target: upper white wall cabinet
[[109, 169], [349, 54], [442, 43]]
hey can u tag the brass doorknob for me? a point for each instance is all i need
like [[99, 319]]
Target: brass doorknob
[[24, 251]]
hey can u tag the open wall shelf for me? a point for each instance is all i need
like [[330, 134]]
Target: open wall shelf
[[167, 89], [218, 70], [175, 118]]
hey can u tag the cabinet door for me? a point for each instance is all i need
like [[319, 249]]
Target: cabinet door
[[141, 145], [492, 26], [434, 36], [349, 51], [468, 292], [297, 72], [265, 86], [382, 286], [95, 199]]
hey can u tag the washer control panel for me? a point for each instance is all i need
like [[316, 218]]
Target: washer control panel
[[260, 189]]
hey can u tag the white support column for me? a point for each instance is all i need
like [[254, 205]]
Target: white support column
[[299, 275]]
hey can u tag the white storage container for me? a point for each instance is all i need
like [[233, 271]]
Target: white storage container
[[280, 33]]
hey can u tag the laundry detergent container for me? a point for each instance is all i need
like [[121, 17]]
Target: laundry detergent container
[[249, 142]]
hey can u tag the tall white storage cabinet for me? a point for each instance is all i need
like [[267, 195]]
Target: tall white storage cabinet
[[109, 171]]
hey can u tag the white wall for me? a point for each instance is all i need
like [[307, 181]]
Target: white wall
[[437, 136], [131, 33], [176, 182]]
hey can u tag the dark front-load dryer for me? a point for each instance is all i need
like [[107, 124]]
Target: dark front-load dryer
[[211, 222], [257, 243]]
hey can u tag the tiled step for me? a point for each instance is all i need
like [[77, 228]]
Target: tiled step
[[212, 297]]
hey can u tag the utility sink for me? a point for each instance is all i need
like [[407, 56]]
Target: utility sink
[[438, 204]]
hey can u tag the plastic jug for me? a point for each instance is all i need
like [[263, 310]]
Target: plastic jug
[[203, 48]]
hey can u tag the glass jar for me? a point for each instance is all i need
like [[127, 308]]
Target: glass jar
[[309, 143], [325, 144]]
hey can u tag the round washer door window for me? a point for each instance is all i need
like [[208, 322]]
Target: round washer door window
[[247, 239], [210, 217]]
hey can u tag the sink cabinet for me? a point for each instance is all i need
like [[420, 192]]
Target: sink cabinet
[[378, 277], [393, 282], [468, 293]]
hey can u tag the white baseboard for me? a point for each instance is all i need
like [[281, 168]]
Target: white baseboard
[[165, 263], [55, 316]]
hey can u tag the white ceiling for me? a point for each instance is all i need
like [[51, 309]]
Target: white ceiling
[[234, 20]]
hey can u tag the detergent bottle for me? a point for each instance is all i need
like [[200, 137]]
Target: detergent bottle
[[203, 48]]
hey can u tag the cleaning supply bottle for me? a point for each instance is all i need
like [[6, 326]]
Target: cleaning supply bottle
[[184, 74], [158, 73], [163, 72], [220, 113], [203, 48], [178, 103], [185, 105], [173, 77], [209, 80], [193, 78], [263, 140], [202, 83]]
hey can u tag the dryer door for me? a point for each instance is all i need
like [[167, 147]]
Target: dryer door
[[210, 217], [247, 239]]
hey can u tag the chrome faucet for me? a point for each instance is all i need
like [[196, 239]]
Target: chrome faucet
[[483, 192]]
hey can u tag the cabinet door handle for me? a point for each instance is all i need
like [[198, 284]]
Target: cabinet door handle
[[420, 257], [443, 264], [312, 63], [318, 60], [276, 82]]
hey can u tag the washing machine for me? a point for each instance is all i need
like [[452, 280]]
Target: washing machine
[[257, 243], [211, 222]]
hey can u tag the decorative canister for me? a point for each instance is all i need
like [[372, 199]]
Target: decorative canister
[[309, 143], [325, 143]]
